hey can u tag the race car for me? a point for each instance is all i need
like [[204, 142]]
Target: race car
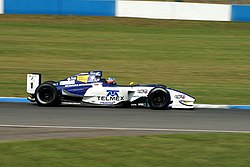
[[89, 88]]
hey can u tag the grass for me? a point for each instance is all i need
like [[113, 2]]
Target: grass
[[209, 60], [175, 150]]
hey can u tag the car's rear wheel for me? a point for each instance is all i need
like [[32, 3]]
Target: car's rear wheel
[[159, 98], [47, 95], [49, 82]]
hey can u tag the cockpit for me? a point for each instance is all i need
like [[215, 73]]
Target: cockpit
[[94, 76]]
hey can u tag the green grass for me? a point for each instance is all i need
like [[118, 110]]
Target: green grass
[[209, 60], [175, 150]]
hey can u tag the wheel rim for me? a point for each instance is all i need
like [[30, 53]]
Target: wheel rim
[[159, 99], [46, 95]]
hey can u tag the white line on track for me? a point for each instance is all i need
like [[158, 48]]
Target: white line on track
[[129, 129]]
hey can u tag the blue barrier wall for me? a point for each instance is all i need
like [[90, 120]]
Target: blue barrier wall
[[89, 7], [74, 7], [31, 7], [240, 13]]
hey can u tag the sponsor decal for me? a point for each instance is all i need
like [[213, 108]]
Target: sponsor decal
[[104, 102], [112, 92], [74, 85], [96, 73], [145, 91], [110, 98], [135, 96], [67, 82], [83, 78], [180, 96], [112, 95]]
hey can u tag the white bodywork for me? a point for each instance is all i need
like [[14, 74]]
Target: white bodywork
[[98, 94]]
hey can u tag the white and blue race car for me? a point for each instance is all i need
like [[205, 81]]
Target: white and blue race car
[[91, 89]]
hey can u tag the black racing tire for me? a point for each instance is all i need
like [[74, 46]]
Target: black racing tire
[[47, 95], [158, 98]]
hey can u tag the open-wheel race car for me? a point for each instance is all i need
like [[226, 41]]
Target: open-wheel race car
[[91, 89]]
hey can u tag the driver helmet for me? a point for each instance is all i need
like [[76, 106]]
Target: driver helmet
[[111, 81]]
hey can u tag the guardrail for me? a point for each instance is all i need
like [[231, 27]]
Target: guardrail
[[212, 1], [240, 13], [173, 10], [125, 8], [61, 7], [1, 6]]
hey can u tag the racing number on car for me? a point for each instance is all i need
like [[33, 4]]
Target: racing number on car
[[33, 81]]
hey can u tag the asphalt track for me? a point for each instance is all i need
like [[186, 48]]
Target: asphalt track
[[29, 121]]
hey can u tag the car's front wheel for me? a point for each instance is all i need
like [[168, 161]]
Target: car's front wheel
[[159, 98], [47, 95]]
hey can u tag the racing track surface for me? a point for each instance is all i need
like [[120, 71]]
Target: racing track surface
[[29, 121]]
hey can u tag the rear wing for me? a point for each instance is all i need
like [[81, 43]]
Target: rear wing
[[33, 81]]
